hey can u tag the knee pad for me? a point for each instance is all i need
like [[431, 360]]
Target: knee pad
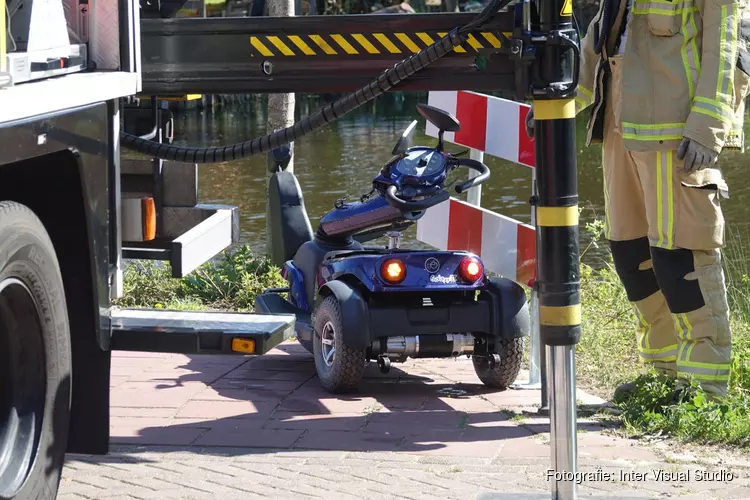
[[671, 267], [629, 258]]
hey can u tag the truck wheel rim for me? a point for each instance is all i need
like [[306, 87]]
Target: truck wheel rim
[[23, 384], [328, 343]]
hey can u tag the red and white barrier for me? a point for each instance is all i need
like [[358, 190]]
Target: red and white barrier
[[497, 127], [490, 124], [506, 246]]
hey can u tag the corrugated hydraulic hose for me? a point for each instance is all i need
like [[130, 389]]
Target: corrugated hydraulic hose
[[327, 114]]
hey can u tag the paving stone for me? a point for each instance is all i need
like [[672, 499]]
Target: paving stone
[[416, 420], [251, 374], [349, 441], [431, 381], [129, 355], [452, 443], [620, 451], [154, 394], [71, 496], [107, 486], [525, 448], [319, 401], [141, 412], [227, 409], [224, 394], [541, 425], [467, 404], [497, 418], [138, 432], [251, 385], [512, 398], [334, 422], [116, 380], [80, 488], [237, 435], [183, 376]]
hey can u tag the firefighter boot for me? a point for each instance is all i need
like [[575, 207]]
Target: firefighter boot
[[695, 290]]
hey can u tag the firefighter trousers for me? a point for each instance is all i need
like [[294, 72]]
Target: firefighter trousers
[[666, 229]]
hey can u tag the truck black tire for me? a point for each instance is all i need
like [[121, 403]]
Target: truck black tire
[[35, 359], [504, 373], [343, 370]]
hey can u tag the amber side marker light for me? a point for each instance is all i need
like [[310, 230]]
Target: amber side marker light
[[243, 345], [393, 271], [470, 269], [149, 219]]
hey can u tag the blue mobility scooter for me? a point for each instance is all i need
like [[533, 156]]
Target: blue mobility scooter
[[355, 303]]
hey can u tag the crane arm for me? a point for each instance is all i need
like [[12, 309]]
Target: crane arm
[[318, 54], [364, 54]]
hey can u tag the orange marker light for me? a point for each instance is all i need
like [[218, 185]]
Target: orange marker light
[[470, 269], [149, 219], [393, 271]]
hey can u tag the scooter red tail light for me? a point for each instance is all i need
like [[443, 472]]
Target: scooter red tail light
[[470, 269], [393, 271]]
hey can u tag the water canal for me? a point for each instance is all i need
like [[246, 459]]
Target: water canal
[[341, 159]]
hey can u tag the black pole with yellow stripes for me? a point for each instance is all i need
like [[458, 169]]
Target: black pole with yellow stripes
[[554, 77]]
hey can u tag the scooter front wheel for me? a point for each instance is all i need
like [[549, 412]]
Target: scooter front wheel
[[340, 367]]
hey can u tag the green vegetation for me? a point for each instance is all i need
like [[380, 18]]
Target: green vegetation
[[606, 355], [230, 282]]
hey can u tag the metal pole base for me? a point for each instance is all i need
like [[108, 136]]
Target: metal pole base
[[543, 411], [563, 422]]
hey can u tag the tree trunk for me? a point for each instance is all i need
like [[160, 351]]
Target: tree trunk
[[451, 6], [280, 106]]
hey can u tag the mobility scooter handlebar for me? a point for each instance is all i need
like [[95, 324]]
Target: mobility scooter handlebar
[[393, 198], [479, 167]]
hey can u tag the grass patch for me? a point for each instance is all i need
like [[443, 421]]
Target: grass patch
[[607, 356], [230, 282]]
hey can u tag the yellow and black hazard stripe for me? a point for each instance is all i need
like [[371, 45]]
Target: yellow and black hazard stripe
[[362, 44], [560, 304]]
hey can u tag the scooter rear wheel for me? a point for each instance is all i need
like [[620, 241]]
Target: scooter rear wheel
[[340, 367], [502, 374]]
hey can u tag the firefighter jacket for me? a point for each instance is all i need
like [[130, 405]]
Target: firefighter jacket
[[685, 72]]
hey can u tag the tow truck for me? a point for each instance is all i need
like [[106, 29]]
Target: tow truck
[[89, 178]]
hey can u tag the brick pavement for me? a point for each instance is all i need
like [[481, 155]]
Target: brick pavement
[[195, 427]]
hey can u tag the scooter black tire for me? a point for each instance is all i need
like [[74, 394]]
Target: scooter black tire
[[35, 359], [348, 365], [504, 373]]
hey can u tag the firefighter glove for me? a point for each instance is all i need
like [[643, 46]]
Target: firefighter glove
[[696, 156], [530, 122]]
